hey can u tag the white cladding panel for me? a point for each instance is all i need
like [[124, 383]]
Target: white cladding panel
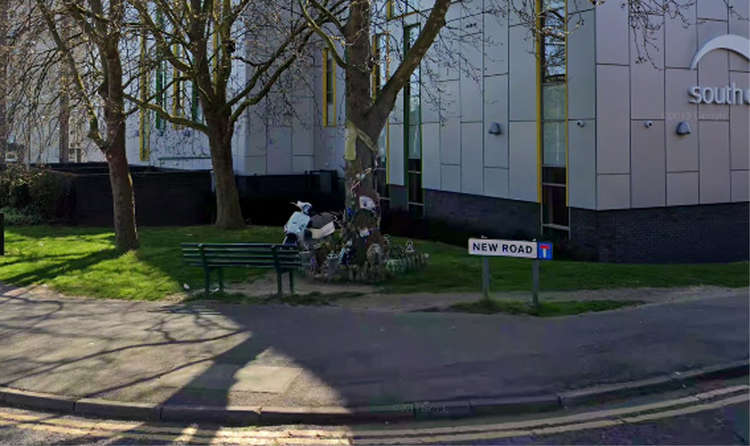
[[522, 75], [582, 164], [648, 169], [714, 162], [471, 158], [523, 162], [613, 123], [581, 68], [612, 33], [431, 156], [496, 110], [682, 151], [682, 188], [647, 78]]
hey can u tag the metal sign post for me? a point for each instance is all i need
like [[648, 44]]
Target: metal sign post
[[533, 250], [486, 277], [535, 283]]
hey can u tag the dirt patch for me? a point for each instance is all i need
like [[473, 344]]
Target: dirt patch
[[399, 303], [266, 286]]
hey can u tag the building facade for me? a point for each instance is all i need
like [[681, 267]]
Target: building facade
[[625, 151]]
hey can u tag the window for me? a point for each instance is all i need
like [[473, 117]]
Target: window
[[413, 131], [195, 106], [161, 78], [144, 124], [379, 77], [329, 89], [554, 127], [178, 101]]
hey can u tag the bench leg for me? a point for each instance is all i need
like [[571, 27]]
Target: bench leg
[[278, 282], [207, 272], [291, 282], [221, 279]]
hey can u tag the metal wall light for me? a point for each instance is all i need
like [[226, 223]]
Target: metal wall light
[[495, 129], [683, 128]]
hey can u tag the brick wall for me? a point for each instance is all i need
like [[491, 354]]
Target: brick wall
[[683, 234]]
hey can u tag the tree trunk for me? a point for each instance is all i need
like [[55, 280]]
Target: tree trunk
[[228, 211], [3, 78], [362, 216], [123, 200]]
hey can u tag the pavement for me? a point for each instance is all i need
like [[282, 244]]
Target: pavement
[[302, 359]]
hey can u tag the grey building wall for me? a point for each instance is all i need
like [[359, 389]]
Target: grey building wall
[[462, 100], [640, 161]]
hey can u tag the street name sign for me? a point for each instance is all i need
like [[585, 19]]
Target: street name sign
[[502, 248], [510, 248]]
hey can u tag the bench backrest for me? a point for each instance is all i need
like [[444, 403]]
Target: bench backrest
[[259, 255]]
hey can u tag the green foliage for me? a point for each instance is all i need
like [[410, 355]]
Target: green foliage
[[31, 196], [545, 309], [14, 217]]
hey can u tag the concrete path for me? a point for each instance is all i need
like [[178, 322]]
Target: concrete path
[[216, 354]]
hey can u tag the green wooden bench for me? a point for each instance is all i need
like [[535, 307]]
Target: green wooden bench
[[217, 256]]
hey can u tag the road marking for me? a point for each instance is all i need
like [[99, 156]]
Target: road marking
[[346, 436]]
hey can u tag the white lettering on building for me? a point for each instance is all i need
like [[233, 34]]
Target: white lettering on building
[[731, 94]]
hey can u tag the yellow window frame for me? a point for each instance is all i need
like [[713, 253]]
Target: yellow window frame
[[329, 121]]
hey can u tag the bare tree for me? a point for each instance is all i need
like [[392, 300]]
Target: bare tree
[[366, 116], [102, 29], [4, 56], [233, 52]]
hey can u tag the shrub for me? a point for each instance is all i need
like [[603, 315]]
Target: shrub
[[47, 189], [33, 194], [26, 217]]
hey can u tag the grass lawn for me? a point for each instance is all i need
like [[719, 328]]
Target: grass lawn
[[82, 261], [451, 269], [546, 309]]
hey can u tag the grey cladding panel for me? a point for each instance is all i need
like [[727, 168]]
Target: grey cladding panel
[[582, 69], [582, 164], [496, 110], [613, 120], [522, 75], [682, 151], [648, 168], [523, 161], [471, 158], [714, 162]]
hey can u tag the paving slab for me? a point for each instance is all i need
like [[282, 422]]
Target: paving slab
[[223, 355]]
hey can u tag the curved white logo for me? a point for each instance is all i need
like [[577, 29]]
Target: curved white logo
[[731, 42]]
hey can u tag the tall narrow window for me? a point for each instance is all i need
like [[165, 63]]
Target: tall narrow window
[[161, 78], [195, 106], [554, 115], [144, 124], [379, 77], [178, 101], [413, 130], [329, 89]]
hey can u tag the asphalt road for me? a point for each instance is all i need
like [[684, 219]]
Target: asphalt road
[[287, 356]]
